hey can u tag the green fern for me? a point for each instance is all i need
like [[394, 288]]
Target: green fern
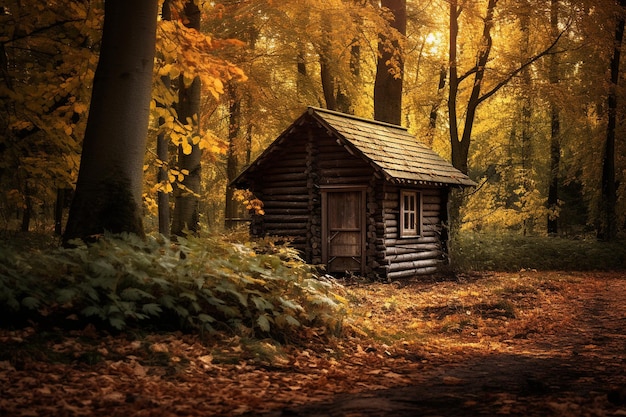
[[201, 284]]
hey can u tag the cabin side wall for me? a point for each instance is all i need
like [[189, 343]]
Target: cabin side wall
[[407, 257], [283, 189]]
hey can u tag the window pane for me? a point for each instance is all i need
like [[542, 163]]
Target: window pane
[[409, 214]]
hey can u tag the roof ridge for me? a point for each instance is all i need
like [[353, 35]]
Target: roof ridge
[[312, 109]]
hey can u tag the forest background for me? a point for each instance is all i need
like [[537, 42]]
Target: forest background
[[522, 95]]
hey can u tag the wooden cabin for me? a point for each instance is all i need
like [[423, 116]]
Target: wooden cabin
[[355, 195]]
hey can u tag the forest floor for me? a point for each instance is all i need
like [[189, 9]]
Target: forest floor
[[525, 344]]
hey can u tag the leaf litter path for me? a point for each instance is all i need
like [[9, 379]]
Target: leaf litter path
[[572, 365], [525, 344]]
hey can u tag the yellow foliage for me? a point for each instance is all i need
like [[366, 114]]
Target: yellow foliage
[[490, 207], [187, 51], [250, 201]]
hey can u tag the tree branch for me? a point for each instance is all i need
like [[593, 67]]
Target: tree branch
[[43, 29], [505, 81]]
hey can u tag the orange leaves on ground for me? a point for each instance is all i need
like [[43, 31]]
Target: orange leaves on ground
[[409, 334]]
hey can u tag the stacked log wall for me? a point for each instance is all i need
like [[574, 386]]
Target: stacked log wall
[[375, 257], [338, 167], [283, 188], [313, 253], [414, 256]]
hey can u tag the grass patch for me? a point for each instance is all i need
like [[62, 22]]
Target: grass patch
[[512, 252]]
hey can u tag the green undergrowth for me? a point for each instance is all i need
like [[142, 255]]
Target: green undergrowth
[[206, 284], [512, 252]]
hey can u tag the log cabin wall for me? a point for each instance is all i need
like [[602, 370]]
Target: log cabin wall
[[283, 188], [313, 249], [406, 257]]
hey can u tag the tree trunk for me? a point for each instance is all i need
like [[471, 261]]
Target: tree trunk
[[186, 205], [163, 142], [27, 210], [457, 159], [163, 197], [460, 148], [434, 110], [110, 180], [390, 68], [234, 129], [59, 205], [334, 95], [555, 131], [607, 229], [526, 114]]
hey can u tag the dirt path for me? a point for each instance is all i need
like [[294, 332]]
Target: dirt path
[[577, 369]]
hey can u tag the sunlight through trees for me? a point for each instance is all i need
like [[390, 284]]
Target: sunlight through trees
[[505, 90]]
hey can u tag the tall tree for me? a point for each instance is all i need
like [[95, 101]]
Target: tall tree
[[555, 129], [232, 161], [109, 189], [607, 229], [334, 82], [460, 140], [186, 206], [460, 147], [390, 65], [163, 154], [526, 112], [434, 109], [46, 57]]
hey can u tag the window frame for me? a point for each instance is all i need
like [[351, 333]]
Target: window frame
[[410, 214]]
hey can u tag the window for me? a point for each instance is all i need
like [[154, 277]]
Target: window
[[410, 214]]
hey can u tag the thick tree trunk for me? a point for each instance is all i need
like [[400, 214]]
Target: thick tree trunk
[[388, 82], [58, 211], [27, 210], [607, 229], [110, 180], [186, 205], [555, 131]]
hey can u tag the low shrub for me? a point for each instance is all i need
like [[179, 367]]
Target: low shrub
[[203, 284]]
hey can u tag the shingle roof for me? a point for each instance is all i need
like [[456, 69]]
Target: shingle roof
[[390, 149]]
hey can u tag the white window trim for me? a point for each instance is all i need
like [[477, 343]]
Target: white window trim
[[410, 224]]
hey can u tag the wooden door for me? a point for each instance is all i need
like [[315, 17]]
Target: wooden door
[[343, 229]]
